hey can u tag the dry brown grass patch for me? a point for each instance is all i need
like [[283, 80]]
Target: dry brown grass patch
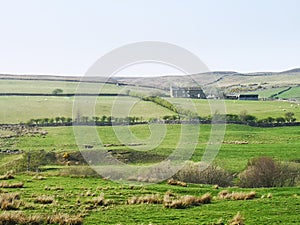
[[186, 201], [44, 199], [225, 194], [8, 218], [10, 201], [7, 176], [38, 177], [238, 219], [57, 188], [147, 199], [12, 185], [177, 182], [99, 201]]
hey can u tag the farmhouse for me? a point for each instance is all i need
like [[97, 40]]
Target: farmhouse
[[187, 92]]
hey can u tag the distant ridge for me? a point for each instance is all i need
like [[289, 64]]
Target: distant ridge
[[296, 70]]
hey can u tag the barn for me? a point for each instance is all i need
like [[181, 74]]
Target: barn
[[253, 97]]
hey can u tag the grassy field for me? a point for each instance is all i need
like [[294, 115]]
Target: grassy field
[[47, 87], [80, 197], [292, 93], [16, 109], [266, 93], [260, 109], [281, 143], [63, 188]]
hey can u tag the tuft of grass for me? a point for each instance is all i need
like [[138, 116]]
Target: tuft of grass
[[44, 199], [186, 201], [10, 201], [65, 219], [176, 182], [238, 219], [7, 176], [99, 201], [9, 218], [38, 177], [147, 199], [225, 194], [57, 188], [12, 185]]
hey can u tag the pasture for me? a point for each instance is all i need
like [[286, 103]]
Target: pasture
[[282, 143], [66, 191], [80, 200], [16, 109]]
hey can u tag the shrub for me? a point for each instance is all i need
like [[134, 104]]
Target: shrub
[[266, 172], [214, 175]]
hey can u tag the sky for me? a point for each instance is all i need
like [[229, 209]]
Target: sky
[[65, 37]]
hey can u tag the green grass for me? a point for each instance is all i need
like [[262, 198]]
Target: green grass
[[293, 93], [266, 93], [260, 109], [283, 208], [281, 143], [47, 87], [16, 109]]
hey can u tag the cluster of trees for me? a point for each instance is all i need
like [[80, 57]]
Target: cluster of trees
[[288, 117], [85, 120], [242, 118], [50, 121]]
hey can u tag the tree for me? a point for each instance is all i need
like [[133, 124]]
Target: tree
[[290, 117], [63, 119], [46, 121], [103, 119], [69, 120], [270, 119], [246, 118], [96, 119], [57, 91], [57, 119], [280, 120]]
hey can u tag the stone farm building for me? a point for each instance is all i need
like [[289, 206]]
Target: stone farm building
[[187, 92]]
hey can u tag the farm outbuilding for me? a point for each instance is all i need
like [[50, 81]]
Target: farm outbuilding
[[248, 97]]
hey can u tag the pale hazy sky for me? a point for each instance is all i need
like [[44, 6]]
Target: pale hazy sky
[[67, 36]]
